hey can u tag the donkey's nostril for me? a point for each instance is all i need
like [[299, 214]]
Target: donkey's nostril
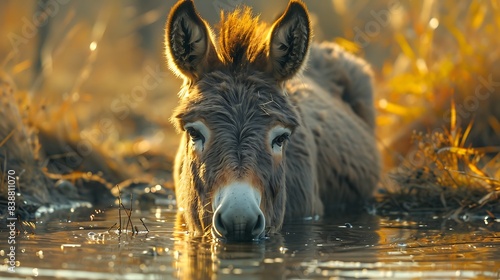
[[259, 226], [219, 224]]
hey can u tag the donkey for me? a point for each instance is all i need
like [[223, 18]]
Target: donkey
[[273, 127]]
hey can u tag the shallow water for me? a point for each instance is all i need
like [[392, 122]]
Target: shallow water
[[71, 245]]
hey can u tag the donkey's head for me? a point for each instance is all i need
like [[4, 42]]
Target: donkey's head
[[234, 117]]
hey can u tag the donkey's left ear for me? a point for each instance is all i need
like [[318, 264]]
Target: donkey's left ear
[[289, 42], [189, 47]]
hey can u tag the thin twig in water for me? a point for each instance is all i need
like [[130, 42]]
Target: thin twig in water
[[130, 214], [119, 209], [112, 227], [144, 225]]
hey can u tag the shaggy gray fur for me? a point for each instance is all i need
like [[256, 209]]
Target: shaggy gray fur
[[246, 84]]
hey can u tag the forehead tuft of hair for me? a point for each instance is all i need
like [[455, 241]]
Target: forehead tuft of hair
[[242, 38]]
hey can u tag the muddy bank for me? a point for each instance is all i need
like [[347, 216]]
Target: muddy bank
[[56, 169]]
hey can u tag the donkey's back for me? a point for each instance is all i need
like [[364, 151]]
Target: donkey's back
[[338, 162]]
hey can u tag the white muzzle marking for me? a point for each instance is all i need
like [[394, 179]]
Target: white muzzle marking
[[237, 214]]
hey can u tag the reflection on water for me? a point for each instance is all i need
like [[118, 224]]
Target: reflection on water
[[364, 246]]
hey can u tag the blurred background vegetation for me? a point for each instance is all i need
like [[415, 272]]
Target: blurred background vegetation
[[89, 85]]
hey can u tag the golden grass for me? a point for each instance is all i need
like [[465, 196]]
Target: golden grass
[[443, 174], [443, 56]]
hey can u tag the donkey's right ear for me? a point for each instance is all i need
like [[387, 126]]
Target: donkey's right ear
[[188, 40]]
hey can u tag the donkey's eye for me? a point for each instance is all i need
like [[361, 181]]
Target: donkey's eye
[[195, 135], [199, 134], [278, 135], [278, 141]]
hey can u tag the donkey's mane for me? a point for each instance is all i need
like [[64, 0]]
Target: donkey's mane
[[242, 38]]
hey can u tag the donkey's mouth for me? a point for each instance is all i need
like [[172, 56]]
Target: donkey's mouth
[[238, 236], [237, 215]]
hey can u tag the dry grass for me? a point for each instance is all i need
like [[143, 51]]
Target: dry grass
[[440, 57], [444, 175], [56, 125], [442, 158]]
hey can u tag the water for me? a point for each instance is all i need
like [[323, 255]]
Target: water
[[71, 245]]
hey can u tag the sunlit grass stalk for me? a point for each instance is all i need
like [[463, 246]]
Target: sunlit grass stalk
[[449, 173]]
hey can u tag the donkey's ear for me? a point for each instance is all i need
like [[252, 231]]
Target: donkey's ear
[[289, 42], [188, 40]]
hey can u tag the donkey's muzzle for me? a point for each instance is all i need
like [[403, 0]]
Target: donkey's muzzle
[[237, 215]]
